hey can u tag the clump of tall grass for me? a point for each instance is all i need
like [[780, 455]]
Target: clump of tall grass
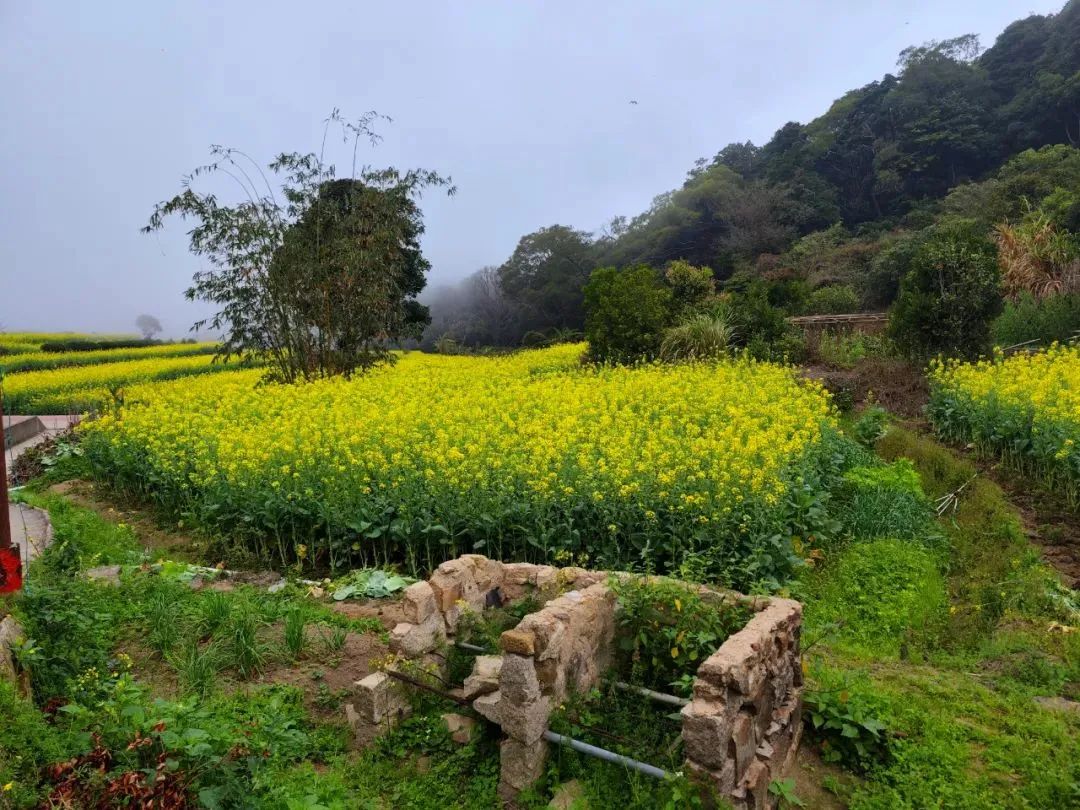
[[701, 337]]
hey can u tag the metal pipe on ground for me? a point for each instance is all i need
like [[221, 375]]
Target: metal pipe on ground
[[471, 647], [607, 756], [659, 697]]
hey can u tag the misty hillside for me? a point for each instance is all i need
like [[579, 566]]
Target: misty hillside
[[829, 201]]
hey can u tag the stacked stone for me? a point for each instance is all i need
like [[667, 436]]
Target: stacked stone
[[743, 726], [563, 648], [741, 730]]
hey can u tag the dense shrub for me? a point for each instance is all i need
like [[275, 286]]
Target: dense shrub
[[691, 286], [758, 313], [835, 300], [91, 345], [950, 295], [27, 744], [626, 313], [1027, 318]]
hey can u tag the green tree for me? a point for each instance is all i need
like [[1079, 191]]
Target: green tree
[[544, 278], [318, 282], [691, 286], [148, 325], [627, 312], [950, 295]]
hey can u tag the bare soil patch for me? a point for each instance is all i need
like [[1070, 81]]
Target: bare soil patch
[[896, 385]]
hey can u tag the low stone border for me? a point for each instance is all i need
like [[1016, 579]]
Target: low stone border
[[740, 731]]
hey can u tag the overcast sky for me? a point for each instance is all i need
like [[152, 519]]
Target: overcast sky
[[525, 104]]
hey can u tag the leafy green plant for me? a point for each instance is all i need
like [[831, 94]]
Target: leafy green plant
[[846, 726], [666, 629], [784, 791], [372, 583], [871, 426]]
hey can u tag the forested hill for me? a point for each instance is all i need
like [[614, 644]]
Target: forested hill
[[825, 200]]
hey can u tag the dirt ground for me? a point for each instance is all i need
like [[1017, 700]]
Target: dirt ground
[[326, 677], [896, 385], [1049, 523]]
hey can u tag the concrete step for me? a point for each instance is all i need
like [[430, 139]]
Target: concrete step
[[18, 429]]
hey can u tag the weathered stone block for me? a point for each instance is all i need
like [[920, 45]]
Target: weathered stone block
[[106, 574], [415, 640], [517, 680], [484, 677], [380, 698], [526, 721], [519, 642], [461, 728], [453, 582], [487, 706], [706, 733], [520, 765], [753, 788], [718, 783], [743, 742], [11, 634], [418, 602]]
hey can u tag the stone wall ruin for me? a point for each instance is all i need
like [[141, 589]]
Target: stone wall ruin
[[740, 730]]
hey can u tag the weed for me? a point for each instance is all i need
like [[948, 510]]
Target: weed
[[784, 791], [215, 611], [846, 725], [667, 628], [163, 615], [334, 638], [247, 653], [197, 666], [295, 632], [886, 593], [871, 425]]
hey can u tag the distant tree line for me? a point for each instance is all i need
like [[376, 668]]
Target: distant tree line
[[832, 211]]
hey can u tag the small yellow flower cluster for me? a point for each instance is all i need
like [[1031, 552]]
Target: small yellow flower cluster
[[529, 448], [1025, 407]]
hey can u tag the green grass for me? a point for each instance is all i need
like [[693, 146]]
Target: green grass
[[953, 645]]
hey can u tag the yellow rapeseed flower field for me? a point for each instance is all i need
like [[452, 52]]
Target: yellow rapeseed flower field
[[37, 360], [1025, 408], [530, 455], [80, 388]]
